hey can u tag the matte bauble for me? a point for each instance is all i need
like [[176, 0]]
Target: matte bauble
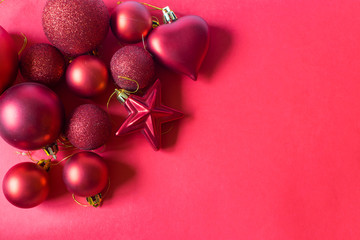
[[31, 116], [75, 26], [26, 185], [85, 174], [88, 127], [8, 60], [181, 45], [132, 62], [42, 63], [131, 22], [87, 76]]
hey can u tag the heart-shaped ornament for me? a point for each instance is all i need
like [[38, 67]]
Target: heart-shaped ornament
[[181, 45]]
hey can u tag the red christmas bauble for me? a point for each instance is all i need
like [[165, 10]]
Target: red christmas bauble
[[75, 26], [31, 116], [132, 62], [26, 185], [42, 63], [8, 60], [87, 76], [130, 22], [85, 174], [88, 127]]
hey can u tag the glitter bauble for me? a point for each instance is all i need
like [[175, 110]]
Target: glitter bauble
[[88, 127], [31, 116], [42, 63], [131, 22], [26, 185], [132, 62], [75, 26], [85, 174], [87, 76], [8, 60]]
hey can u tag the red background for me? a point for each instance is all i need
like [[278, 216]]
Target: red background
[[269, 147]]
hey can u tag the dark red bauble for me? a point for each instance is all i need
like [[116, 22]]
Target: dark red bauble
[[130, 22], [8, 60], [75, 26], [26, 185], [135, 63], [88, 127], [31, 116], [87, 76], [43, 63], [85, 174]]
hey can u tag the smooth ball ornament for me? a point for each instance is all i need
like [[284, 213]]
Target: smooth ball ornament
[[130, 22], [31, 116], [26, 185], [43, 63], [88, 127], [8, 60], [75, 26], [87, 76], [85, 174], [181, 45], [132, 62]]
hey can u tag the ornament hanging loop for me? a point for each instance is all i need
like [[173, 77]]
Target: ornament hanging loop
[[25, 41], [169, 16]]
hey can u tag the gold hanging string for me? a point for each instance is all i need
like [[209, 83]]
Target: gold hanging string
[[44, 163], [65, 158], [146, 4], [108, 102], [24, 44], [81, 204], [99, 196], [119, 91]]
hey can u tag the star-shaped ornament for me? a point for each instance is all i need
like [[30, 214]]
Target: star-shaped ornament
[[147, 114]]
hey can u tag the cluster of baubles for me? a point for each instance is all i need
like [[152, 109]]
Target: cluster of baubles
[[32, 115]]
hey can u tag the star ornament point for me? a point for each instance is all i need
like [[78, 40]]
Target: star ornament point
[[147, 114]]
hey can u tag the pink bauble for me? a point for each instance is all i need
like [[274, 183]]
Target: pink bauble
[[75, 26], [31, 116], [26, 185], [87, 76], [8, 60], [130, 22], [85, 174], [135, 63], [42, 63], [88, 127]]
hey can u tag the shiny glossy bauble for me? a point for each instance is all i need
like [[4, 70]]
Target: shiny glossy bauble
[[87, 76], [26, 185], [131, 22], [75, 26], [88, 127], [135, 63], [31, 116], [42, 63], [85, 174], [181, 45], [8, 60]]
